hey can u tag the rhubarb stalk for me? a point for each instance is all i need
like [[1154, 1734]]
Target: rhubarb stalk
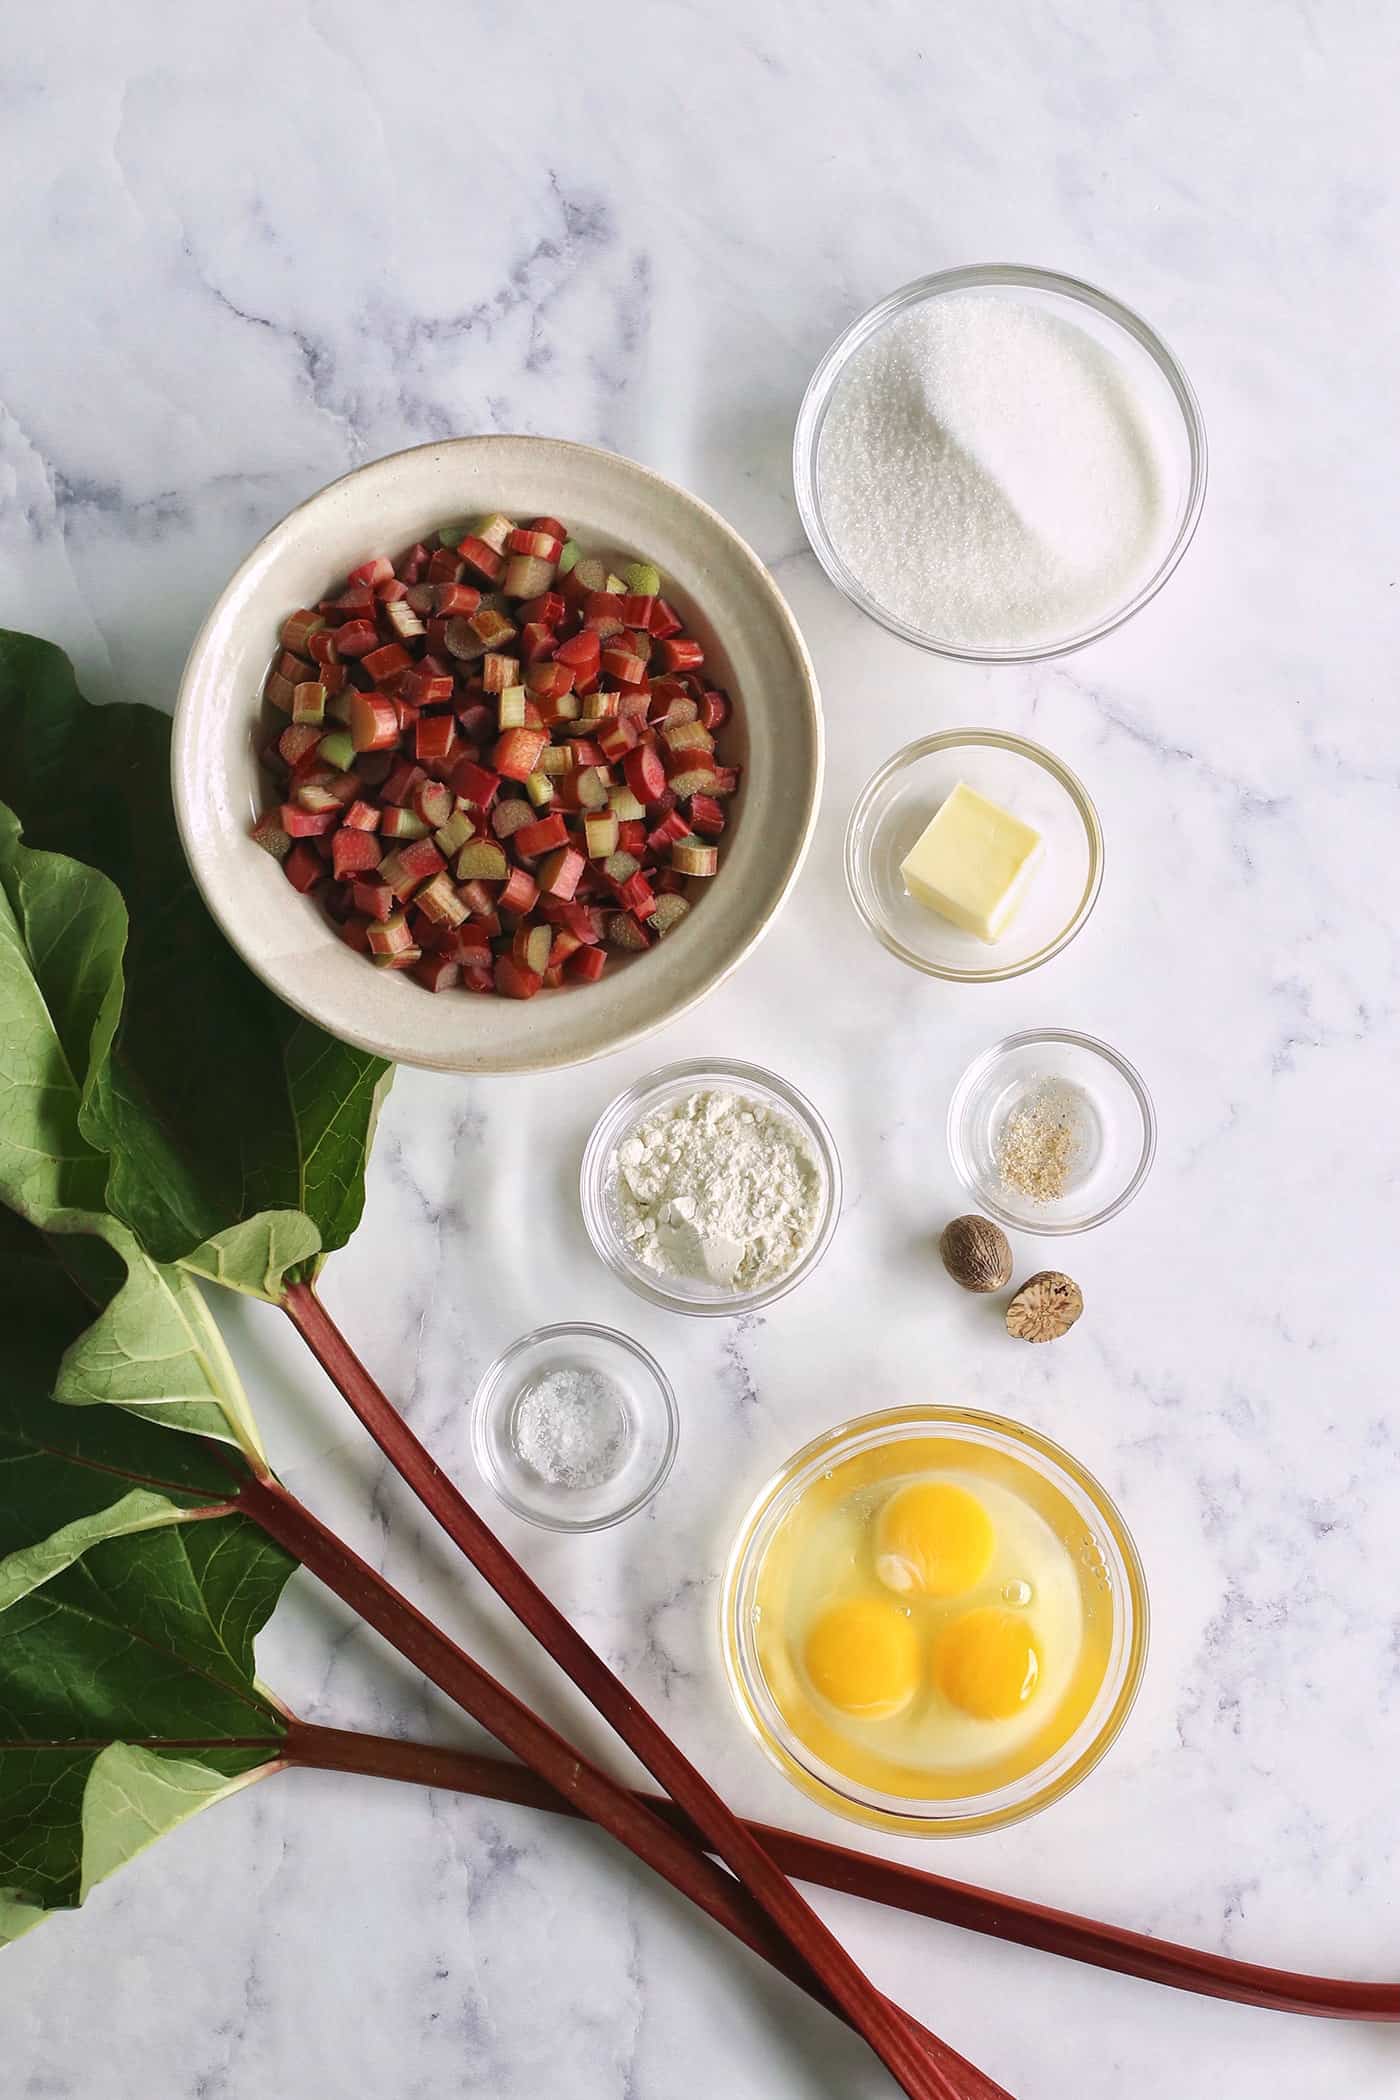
[[883, 2025], [930, 2067]]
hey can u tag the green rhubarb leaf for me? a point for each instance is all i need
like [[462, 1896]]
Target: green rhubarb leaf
[[256, 1256], [132, 1596], [216, 1101]]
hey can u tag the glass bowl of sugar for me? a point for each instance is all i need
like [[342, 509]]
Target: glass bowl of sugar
[[999, 464], [575, 1427]]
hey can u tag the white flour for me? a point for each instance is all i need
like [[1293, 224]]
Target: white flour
[[992, 474], [720, 1188]]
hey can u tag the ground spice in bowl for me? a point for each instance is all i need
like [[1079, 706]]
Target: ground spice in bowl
[[1038, 1147]]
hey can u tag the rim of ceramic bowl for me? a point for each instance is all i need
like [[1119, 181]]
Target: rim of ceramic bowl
[[948, 740], [628, 1108], [184, 759], [822, 386], [485, 1393], [1031, 1793], [986, 1195]]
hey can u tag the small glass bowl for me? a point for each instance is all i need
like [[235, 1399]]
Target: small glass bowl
[[898, 802], [597, 1180], [651, 1427], [1090, 1524], [1119, 1128], [1167, 393]]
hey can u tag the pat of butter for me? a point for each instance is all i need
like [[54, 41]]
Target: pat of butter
[[971, 864]]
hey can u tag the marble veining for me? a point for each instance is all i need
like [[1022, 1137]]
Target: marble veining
[[243, 252]]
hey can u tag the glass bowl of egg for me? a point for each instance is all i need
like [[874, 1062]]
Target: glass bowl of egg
[[974, 855], [934, 1621]]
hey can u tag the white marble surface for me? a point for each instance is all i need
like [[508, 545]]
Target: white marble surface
[[244, 249]]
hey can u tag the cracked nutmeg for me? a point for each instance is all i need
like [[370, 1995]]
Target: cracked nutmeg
[[1046, 1306], [976, 1253]]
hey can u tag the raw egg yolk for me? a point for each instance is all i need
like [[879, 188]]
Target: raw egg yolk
[[933, 1539], [864, 1657], [987, 1663]]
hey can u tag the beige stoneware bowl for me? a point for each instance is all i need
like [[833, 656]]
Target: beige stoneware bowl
[[611, 506]]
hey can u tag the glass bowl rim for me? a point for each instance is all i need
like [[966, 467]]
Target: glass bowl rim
[[985, 1196], [822, 385], [918, 1821], [629, 1106], [953, 739], [489, 1382]]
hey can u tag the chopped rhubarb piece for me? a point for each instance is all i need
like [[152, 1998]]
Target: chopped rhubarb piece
[[271, 834], [403, 782], [587, 965], [477, 722], [706, 816], [644, 773], [374, 722], [687, 736], [491, 628], [636, 610], [600, 835], [278, 692], [434, 737], [581, 654], [563, 946], [378, 569], [679, 654], [565, 707], [540, 789], [390, 936], [475, 784], [362, 816], [321, 648], [309, 701], [547, 610], [536, 642], [466, 943], [520, 893], [512, 982], [663, 621], [517, 753], [484, 860], [555, 760], [530, 947], [403, 620], [352, 853], [307, 823], [439, 902], [297, 630], [425, 687], [498, 671], [616, 739], [624, 804], [667, 912], [408, 959], [510, 708], [542, 545], [549, 680], [526, 576], [632, 838], [558, 875], [480, 901], [443, 567], [402, 823], [315, 796], [714, 709], [387, 662], [337, 749], [543, 835], [690, 773], [602, 613], [726, 780], [374, 899], [461, 640], [510, 816], [626, 932], [356, 637], [355, 934], [304, 867], [297, 742], [449, 838], [434, 801], [585, 789], [461, 599], [690, 856], [437, 972], [636, 895], [484, 562]]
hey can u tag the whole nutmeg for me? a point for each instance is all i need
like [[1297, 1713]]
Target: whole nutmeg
[[1046, 1306], [976, 1253]]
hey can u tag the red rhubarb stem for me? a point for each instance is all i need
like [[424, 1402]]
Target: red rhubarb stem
[[883, 2026], [585, 1789], [897, 1887]]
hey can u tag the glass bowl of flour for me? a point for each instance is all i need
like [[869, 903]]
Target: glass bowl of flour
[[711, 1187], [999, 464]]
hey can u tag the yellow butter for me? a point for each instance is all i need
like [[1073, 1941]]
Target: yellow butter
[[971, 863]]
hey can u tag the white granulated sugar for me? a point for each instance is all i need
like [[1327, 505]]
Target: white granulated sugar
[[570, 1426], [719, 1188], [991, 474]]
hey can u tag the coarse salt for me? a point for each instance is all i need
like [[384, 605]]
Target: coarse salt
[[992, 475]]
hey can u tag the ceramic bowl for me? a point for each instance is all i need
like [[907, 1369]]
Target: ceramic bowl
[[613, 506]]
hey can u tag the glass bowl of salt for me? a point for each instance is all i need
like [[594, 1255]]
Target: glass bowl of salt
[[575, 1427], [999, 464]]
